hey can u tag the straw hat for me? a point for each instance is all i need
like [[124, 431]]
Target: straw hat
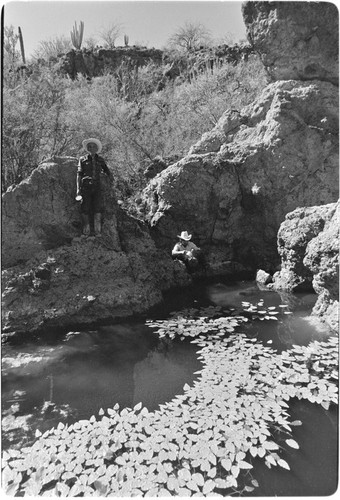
[[185, 236], [95, 141]]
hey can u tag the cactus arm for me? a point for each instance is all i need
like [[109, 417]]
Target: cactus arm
[[22, 45], [77, 35]]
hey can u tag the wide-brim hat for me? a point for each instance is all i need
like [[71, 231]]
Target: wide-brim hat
[[96, 141], [185, 236]]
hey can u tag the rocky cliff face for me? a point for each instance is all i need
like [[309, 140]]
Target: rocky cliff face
[[238, 182], [236, 185], [295, 40], [99, 61], [308, 242], [55, 277]]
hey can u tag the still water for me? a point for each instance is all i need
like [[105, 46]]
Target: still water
[[72, 375]]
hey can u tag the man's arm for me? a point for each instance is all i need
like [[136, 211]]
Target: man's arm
[[176, 251], [105, 169]]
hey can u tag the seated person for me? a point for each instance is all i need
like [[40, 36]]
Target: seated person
[[186, 251]]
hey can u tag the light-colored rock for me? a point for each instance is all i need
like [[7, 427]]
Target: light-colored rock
[[54, 277], [41, 212], [263, 278], [322, 258], [235, 187], [308, 243], [295, 40]]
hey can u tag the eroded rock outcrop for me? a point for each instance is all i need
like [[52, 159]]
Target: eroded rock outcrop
[[99, 61], [308, 242], [238, 182], [94, 63], [54, 277], [295, 40]]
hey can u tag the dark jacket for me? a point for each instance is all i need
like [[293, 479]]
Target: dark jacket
[[92, 167]]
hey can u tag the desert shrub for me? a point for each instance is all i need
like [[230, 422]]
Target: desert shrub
[[52, 47], [47, 114], [33, 128]]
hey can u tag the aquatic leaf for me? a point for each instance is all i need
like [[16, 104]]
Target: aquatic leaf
[[164, 493], [198, 479], [296, 422], [12, 489], [137, 407], [292, 443], [209, 486], [184, 492], [270, 445], [283, 464], [212, 473], [172, 484], [184, 474], [244, 465], [270, 459]]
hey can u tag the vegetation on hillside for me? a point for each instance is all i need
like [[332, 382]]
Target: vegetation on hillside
[[46, 114]]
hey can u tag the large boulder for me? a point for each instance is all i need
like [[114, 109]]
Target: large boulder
[[295, 40], [308, 242], [54, 277], [41, 212], [322, 258], [234, 188]]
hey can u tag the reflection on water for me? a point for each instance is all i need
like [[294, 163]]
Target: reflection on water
[[292, 329], [89, 370], [71, 377], [314, 467]]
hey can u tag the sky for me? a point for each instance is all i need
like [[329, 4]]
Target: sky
[[149, 22]]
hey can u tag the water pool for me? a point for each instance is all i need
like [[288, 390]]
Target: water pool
[[72, 375]]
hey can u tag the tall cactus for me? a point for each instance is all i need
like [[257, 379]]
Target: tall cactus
[[77, 35], [126, 40], [21, 40]]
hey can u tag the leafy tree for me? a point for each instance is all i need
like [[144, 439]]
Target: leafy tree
[[227, 39], [190, 36], [33, 124], [11, 56], [110, 34], [90, 42]]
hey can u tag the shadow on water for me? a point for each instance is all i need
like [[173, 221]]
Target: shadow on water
[[71, 375], [74, 377]]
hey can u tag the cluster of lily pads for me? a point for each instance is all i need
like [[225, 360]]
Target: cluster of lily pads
[[201, 443]]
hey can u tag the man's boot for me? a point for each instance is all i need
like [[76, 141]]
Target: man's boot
[[86, 224], [97, 224]]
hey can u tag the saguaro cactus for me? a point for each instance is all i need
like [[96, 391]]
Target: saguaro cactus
[[21, 40], [126, 40], [77, 35]]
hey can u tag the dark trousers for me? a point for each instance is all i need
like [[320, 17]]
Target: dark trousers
[[92, 200]]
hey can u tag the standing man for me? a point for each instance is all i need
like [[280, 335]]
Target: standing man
[[90, 167]]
